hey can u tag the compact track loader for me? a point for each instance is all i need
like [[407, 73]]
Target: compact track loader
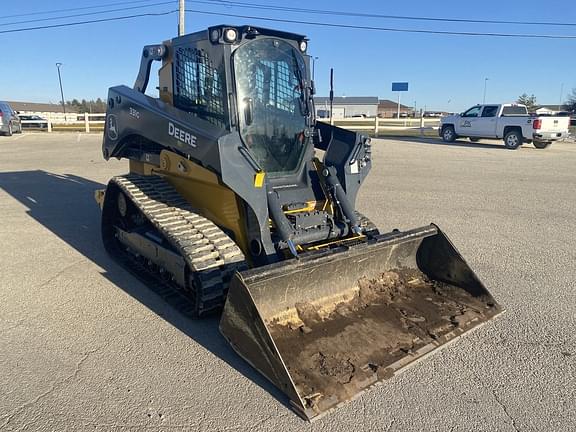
[[227, 209]]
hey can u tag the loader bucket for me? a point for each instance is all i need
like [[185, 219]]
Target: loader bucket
[[326, 327]]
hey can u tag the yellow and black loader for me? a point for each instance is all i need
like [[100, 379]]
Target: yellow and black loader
[[239, 202]]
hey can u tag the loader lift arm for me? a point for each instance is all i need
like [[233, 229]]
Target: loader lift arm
[[150, 53]]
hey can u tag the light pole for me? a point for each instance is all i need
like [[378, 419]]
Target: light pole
[[313, 66], [561, 94], [61, 91], [485, 85]]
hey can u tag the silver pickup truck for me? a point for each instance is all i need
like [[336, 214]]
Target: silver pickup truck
[[509, 122]]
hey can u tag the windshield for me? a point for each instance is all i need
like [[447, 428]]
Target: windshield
[[271, 103]]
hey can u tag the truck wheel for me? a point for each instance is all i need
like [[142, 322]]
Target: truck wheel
[[474, 139], [513, 140], [541, 145], [448, 134]]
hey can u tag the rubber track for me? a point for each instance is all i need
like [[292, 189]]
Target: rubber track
[[212, 257]]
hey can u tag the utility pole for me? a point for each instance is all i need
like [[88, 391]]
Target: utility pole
[[61, 91], [561, 95], [181, 14], [485, 85]]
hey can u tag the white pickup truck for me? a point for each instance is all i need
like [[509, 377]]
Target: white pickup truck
[[510, 122]]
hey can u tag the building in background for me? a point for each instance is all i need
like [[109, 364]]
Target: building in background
[[547, 110], [353, 106], [389, 109], [45, 110]]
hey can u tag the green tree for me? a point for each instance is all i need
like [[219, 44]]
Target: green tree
[[90, 106], [571, 101], [529, 101], [99, 106]]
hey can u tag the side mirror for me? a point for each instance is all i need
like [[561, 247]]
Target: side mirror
[[248, 108]]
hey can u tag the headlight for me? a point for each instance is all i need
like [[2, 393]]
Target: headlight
[[215, 35], [230, 35]]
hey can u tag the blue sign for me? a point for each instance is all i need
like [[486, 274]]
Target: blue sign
[[402, 86]]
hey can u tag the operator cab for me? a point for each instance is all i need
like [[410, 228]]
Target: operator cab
[[251, 80]]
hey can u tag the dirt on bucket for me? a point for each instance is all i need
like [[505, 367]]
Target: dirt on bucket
[[332, 356]]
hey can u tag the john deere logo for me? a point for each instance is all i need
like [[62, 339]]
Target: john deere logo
[[112, 127]]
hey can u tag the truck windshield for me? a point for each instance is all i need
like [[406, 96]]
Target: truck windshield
[[271, 103]]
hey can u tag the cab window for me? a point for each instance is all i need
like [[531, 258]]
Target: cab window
[[199, 86], [490, 111], [514, 110], [472, 112]]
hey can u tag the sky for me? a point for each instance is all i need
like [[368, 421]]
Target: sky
[[444, 72]]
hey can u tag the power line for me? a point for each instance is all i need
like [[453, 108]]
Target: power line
[[312, 23], [240, 4], [88, 13], [88, 22], [388, 29], [368, 15], [53, 11]]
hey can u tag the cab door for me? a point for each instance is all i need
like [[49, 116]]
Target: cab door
[[467, 122], [485, 126]]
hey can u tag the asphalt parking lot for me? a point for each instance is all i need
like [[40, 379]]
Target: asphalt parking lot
[[85, 346]]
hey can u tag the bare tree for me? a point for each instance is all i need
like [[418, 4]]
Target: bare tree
[[571, 101]]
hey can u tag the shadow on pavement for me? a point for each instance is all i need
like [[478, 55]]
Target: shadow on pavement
[[438, 141], [65, 205]]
